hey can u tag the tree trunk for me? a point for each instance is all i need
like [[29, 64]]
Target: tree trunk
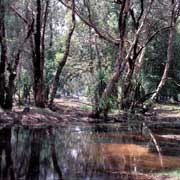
[[3, 53], [169, 54], [62, 63], [38, 62], [139, 63], [10, 92]]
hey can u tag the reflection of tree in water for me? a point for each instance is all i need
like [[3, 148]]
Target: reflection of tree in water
[[53, 153], [31, 153], [21, 148], [6, 163], [34, 161], [76, 154]]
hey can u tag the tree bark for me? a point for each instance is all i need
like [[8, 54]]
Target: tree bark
[[63, 61], [3, 53], [38, 61], [139, 63], [169, 52], [10, 92]]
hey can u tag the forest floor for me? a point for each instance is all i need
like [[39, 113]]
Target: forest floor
[[66, 110], [74, 110]]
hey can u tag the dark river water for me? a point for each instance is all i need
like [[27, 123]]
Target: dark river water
[[96, 152]]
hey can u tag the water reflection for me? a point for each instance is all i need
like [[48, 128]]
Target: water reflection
[[79, 153], [33, 168], [6, 163]]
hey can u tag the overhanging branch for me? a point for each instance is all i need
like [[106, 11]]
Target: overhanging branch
[[101, 33]]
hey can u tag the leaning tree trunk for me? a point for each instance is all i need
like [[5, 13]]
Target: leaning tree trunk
[[121, 60], [62, 63], [169, 53], [3, 53]]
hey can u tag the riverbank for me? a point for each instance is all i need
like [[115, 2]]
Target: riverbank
[[68, 110]]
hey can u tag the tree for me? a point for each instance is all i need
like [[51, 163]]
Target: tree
[[62, 62], [8, 88], [3, 52], [173, 21], [38, 49]]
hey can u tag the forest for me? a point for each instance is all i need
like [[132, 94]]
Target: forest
[[90, 89], [120, 55]]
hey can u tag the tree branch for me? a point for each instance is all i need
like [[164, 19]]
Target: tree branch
[[19, 15], [152, 37], [101, 33]]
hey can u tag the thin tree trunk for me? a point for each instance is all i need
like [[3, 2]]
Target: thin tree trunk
[[63, 61], [169, 54], [139, 63], [3, 53], [43, 33]]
